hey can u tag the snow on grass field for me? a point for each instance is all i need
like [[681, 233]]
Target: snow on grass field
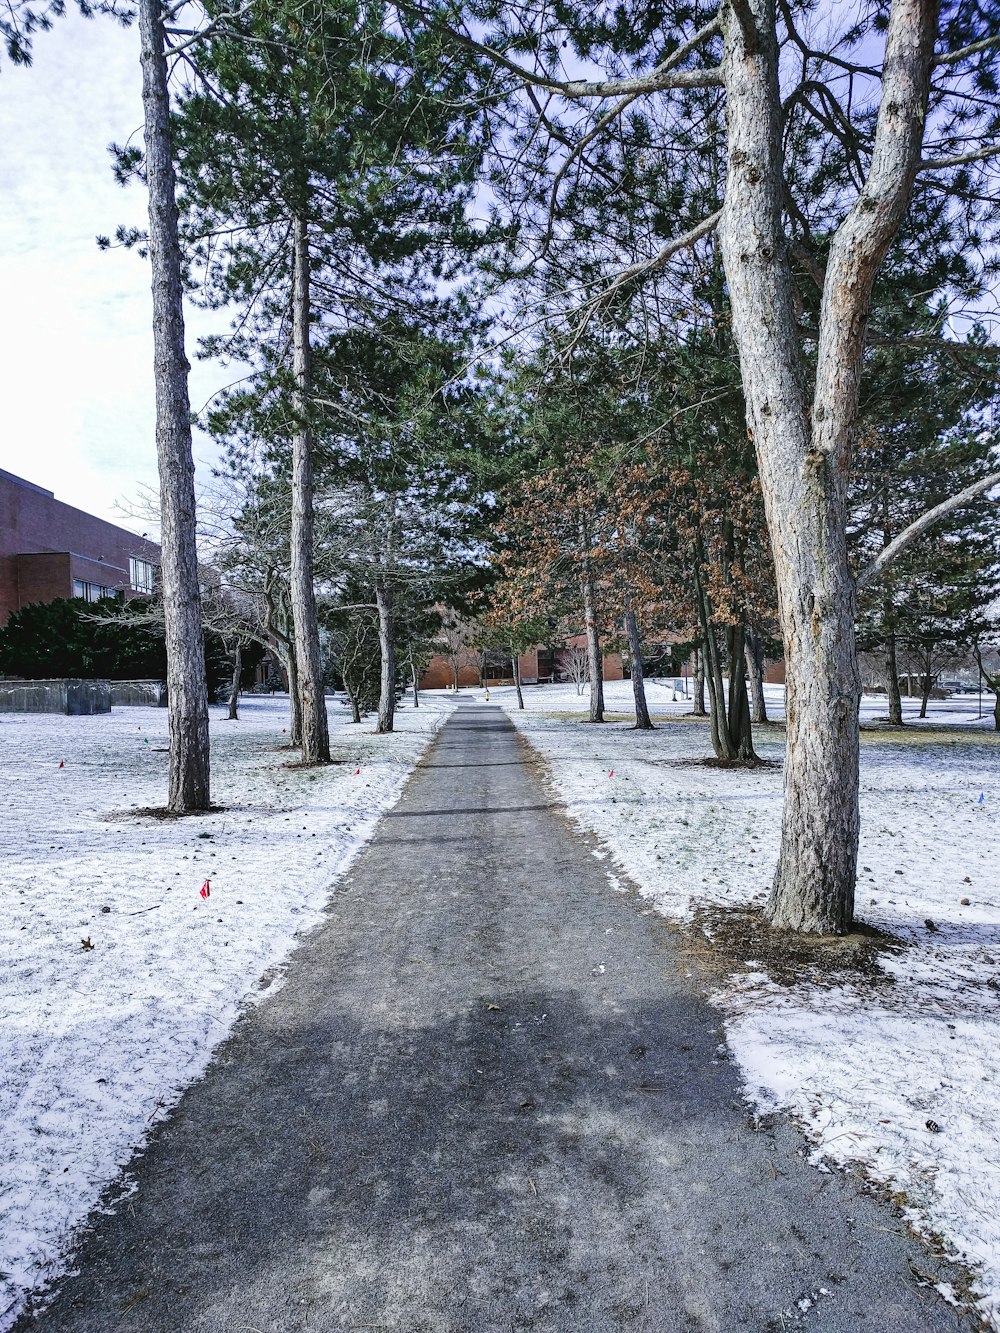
[[900, 1071], [118, 978]]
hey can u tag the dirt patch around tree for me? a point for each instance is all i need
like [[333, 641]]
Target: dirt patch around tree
[[731, 938]]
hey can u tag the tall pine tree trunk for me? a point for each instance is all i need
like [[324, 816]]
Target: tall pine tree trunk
[[643, 721], [804, 458], [387, 654], [312, 699], [595, 663], [754, 650], [187, 699], [892, 681], [516, 665]]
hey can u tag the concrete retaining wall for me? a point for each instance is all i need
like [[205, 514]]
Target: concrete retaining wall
[[129, 693], [74, 697]]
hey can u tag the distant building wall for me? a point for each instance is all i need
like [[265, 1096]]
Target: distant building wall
[[49, 549], [440, 675]]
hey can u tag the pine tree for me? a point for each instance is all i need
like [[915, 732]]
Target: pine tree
[[303, 151]]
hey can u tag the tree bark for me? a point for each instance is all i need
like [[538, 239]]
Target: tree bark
[[516, 665], [234, 693], [312, 698], [189, 777], [804, 462], [738, 711], [698, 684], [276, 619], [892, 681], [754, 650], [294, 698], [355, 706], [415, 683], [732, 736], [643, 722], [594, 660], [926, 685], [387, 654]]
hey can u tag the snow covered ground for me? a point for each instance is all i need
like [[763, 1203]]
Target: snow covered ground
[[899, 1073], [118, 979]]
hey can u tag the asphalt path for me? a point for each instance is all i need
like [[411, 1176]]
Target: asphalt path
[[489, 1097]]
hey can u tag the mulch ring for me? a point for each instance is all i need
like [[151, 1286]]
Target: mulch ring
[[738, 938]]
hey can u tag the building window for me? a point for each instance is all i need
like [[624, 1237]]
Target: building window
[[92, 592], [140, 574]]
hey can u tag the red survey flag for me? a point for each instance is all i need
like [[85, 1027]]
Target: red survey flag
[[206, 889]]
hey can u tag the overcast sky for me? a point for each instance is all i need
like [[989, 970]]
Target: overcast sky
[[75, 342]]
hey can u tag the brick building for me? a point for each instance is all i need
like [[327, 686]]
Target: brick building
[[48, 549], [538, 665]]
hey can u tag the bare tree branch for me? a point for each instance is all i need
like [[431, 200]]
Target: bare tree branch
[[919, 526], [197, 35], [659, 79], [665, 253], [959, 159], [953, 57]]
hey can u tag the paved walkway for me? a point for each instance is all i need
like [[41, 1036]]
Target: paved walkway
[[488, 1098]]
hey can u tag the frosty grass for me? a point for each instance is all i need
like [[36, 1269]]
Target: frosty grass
[[118, 979], [901, 1079]]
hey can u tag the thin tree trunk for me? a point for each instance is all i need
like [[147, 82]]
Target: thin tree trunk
[[594, 660], [732, 737], [355, 706], [387, 653], [276, 623], [415, 683], [804, 460], [189, 778], [234, 693], [755, 669], [926, 685], [312, 698], [738, 712], [643, 722], [516, 664], [698, 684], [892, 681], [294, 698], [992, 682], [712, 672]]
